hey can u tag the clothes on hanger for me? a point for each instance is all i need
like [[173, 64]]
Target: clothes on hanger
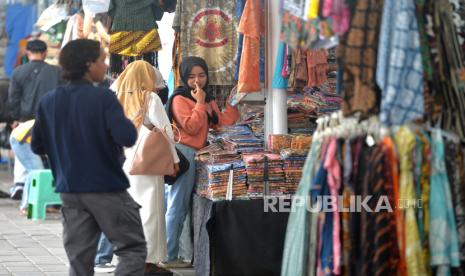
[[417, 230]]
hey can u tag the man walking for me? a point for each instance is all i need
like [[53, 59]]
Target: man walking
[[82, 128]]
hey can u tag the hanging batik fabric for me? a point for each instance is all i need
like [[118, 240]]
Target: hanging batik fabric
[[208, 30], [251, 27], [135, 43], [400, 70], [444, 244], [134, 30], [358, 54], [456, 175], [416, 264], [296, 245]]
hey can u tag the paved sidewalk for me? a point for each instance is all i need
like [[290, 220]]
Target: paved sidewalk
[[33, 248]]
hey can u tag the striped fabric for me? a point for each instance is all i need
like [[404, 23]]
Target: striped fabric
[[135, 43]]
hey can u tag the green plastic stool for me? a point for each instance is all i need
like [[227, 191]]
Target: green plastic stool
[[41, 193]]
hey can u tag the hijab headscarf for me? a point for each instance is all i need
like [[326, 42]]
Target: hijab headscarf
[[133, 88], [185, 68]]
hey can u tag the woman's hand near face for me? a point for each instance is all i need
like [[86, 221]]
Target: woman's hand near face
[[199, 94]]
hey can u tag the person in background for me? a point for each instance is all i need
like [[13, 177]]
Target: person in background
[[82, 129], [104, 256], [136, 92], [28, 84], [194, 111], [161, 87], [20, 141]]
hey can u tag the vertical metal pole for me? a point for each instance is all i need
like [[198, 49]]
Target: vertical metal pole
[[276, 98]]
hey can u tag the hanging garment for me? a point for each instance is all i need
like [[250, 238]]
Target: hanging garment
[[317, 66], [391, 161], [400, 70], [279, 81], [379, 243], [208, 30], [251, 27], [240, 42], [424, 46], [339, 12], [449, 81], [134, 43], [425, 176], [455, 172], [357, 54], [333, 167], [296, 251], [405, 141], [348, 191], [132, 15], [444, 245]]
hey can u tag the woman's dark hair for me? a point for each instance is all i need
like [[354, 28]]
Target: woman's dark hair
[[76, 56]]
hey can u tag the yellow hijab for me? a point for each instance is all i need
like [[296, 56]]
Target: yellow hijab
[[133, 88]]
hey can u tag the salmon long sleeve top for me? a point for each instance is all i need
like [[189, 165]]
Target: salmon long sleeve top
[[192, 120]]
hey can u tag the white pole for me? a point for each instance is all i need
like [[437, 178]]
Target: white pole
[[276, 98]]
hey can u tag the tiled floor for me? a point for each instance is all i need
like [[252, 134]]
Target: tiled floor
[[30, 248]]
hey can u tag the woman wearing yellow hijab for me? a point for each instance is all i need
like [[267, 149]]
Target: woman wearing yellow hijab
[[135, 89]]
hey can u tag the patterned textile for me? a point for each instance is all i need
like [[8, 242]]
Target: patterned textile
[[455, 172], [379, 245], [424, 46], [208, 30], [317, 64], [392, 165], [345, 216], [400, 71], [448, 65], [296, 246], [251, 26], [357, 54], [405, 141], [132, 15], [444, 243], [334, 182], [134, 43], [425, 194]]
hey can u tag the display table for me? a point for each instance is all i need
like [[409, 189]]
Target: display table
[[237, 238]]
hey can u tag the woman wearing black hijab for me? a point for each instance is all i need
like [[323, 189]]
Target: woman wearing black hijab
[[194, 111]]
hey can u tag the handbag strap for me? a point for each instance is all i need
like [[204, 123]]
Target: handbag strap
[[150, 126]]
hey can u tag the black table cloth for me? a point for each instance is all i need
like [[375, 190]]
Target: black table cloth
[[237, 238]]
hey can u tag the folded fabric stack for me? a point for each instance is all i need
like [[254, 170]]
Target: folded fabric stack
[[226, 131], [301, 142], [243, 143], [254, 117], [255, 166], [294, 161], [278, 142], [324, 98], [212, 180], [300, 123]]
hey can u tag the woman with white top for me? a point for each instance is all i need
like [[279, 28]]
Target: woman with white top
[[135, 89]]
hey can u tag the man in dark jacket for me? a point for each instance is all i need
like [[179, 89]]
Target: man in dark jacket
[[82, 128], [28, 84], [31, 81]]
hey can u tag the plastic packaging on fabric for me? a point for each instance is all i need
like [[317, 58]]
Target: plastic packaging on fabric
[[279, 81], [95, 6], [51, 16]]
